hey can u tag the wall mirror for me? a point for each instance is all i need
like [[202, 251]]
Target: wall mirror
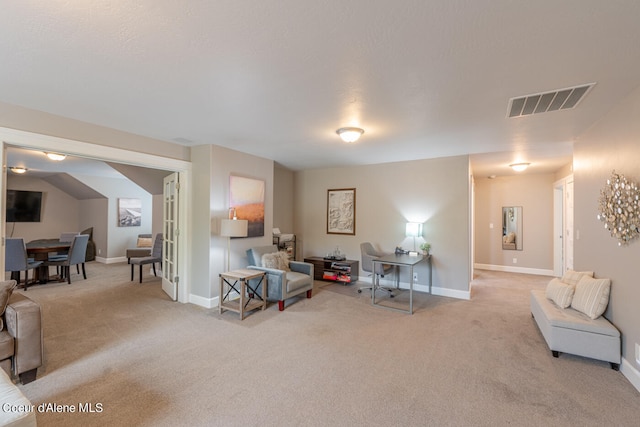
[[512, 228]]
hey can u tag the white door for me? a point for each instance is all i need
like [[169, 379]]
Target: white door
[[170, 277], [568, 220], [558, 230]]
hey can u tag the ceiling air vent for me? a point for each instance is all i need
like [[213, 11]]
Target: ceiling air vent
[[561, 99]]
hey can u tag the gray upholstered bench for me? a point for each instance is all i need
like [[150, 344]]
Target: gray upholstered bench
[[569, 331], [16, 410]]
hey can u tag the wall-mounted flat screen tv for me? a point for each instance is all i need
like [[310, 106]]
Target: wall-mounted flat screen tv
[[24, 206]]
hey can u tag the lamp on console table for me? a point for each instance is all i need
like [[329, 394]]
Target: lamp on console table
[[233, 227]]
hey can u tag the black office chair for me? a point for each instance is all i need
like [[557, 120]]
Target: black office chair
[[368, 254]]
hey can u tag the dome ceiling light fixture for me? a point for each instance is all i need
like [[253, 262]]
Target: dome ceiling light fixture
[[56, 156], [519, 167], [18, 169], [350, 134]]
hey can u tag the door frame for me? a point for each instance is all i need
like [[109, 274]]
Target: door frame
[[35, 141], [560, 215]]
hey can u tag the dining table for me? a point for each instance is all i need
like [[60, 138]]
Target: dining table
[[39, 250]]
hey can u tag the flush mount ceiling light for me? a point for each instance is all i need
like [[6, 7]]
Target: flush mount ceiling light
[[519, 167], [18, 170], [56, 156], [350, 134]]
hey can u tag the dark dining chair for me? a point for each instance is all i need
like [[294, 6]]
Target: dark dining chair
[[16, 260], [76, 256], [156, 256]]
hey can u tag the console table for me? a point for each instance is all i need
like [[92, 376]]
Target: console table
[[329, 270], [249, 298]]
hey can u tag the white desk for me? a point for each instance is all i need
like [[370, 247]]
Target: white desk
[[399, 261]]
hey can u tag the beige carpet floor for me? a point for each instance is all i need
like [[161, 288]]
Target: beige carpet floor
[[332, 360]]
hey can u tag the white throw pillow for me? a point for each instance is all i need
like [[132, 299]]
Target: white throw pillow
[[571, 277], [277, 260], [560, 293], [591, 296], [271, 260], [283, 261]]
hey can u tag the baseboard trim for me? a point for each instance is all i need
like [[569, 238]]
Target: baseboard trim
[[203, 302], [435, 290], [510, 269], [111, 260], [631, 373], [210, 302]]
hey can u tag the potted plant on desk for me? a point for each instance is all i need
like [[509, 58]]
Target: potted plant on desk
[[426, 247]]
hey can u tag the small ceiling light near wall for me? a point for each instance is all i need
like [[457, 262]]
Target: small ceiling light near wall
[[18, 170], [519, 167], [56, 156], [350, 134]]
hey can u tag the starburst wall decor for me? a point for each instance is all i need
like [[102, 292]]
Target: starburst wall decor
[[619, 208]]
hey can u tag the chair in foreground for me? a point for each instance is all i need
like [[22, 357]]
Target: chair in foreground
[[368, 254], [142, 249], [283, 281], [156, 256], [15, 260], [76, 256]]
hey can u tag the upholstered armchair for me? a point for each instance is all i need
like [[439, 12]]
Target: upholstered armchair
[[282, 284]]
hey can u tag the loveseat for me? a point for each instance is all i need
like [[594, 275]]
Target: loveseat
[[569, 315], [20, 335], [285, 279]]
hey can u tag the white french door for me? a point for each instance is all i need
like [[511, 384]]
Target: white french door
[[170, 230]]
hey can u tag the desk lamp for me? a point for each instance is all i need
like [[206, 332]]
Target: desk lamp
[[414, 229], [233, 227]]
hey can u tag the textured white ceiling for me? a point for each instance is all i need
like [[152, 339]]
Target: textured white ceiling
[[276, 78]]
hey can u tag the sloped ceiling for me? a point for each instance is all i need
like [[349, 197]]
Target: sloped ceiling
[[62, 174], [151, 180], [73, 187]]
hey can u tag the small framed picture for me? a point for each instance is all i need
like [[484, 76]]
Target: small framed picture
[[341, 211], [129, 212]]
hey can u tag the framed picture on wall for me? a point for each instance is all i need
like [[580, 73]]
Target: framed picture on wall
[[129, 212], [246, 197], [341, 211]]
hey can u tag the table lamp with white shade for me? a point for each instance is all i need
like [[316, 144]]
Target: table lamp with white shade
[[414, 229], [233, 227]]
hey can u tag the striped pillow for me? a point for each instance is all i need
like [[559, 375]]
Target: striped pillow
[[591, 296], [560, 293], [571, 277]]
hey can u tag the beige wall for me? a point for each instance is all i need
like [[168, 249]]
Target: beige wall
[[435, 192], [535, 194], [610, 144], [212, 166], [95, 213], [203, 256], [20, 118], [60, 212], [120, 238], [283, 182]]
